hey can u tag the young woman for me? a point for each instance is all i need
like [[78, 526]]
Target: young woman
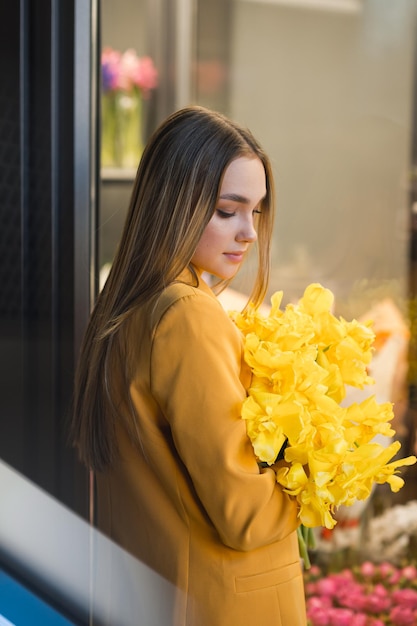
[[161, 381]]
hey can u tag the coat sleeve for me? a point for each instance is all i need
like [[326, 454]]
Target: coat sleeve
[[195, 378]]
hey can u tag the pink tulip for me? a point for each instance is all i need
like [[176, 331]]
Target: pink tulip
[[385, 569], [402, 616], [377, 602], [340, 617], [352, 597], [128, 67], [318, 602], [395, 577], [128, 71], [409, 572], [359, 619], [346, 574], [406, 598], [326, 586], [318, 617], [146, 76], [366, 596], [314, 571], [367, 569], [380, 591]]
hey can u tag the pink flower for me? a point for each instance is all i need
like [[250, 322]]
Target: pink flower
[[386, 569], [340, 617], [146, 77], [326, 586], [314, 571], [359, 619], [378, 601], [395, 577], [406, 598], [318, 616], [409, 572], [346, 574], [369, 595], [403, 616], [318, 610], [318, 602], [367, 569], [127, 71], [352, 596]]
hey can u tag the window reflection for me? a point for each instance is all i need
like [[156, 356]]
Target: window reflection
[[330, 95]]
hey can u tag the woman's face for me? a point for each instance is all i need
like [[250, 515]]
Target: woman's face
[[232, 228]]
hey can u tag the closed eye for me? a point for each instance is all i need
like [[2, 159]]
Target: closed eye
[[225, 214]]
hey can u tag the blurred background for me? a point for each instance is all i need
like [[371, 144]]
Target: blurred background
[[328, 88]]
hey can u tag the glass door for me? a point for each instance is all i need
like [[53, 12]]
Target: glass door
[[328, 88]]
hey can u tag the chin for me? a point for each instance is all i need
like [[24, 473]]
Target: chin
[[225, 275]]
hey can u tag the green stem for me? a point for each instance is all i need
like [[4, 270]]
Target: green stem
[[305, 541]]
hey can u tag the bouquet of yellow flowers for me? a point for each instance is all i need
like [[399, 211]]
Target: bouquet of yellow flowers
[[302, 359]]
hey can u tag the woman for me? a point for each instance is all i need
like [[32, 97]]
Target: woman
[[161, 381]]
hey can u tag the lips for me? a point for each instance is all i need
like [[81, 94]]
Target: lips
[[235, 257]]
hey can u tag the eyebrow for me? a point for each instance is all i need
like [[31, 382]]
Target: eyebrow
[[235, 197]]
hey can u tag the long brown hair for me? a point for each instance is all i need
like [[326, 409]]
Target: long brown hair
[[174, 196]]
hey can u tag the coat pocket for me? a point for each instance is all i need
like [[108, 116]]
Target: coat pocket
[[271, 578]]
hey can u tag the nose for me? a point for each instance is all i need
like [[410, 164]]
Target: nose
[[247, 233]]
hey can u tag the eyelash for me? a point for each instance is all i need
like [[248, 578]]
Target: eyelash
[[225, 214]]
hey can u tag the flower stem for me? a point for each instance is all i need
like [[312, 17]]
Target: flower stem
[[306, 540]]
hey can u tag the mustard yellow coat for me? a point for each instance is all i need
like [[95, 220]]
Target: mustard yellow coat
[[187, 496]]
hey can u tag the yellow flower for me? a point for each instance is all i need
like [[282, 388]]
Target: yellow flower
[[316, 300], [293, 478], [302, 359]]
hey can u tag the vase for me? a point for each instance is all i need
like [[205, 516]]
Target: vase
[[121, 133], [128, 134], [108, 129]]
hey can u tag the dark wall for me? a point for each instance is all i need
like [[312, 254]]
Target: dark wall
[[37, 287]]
